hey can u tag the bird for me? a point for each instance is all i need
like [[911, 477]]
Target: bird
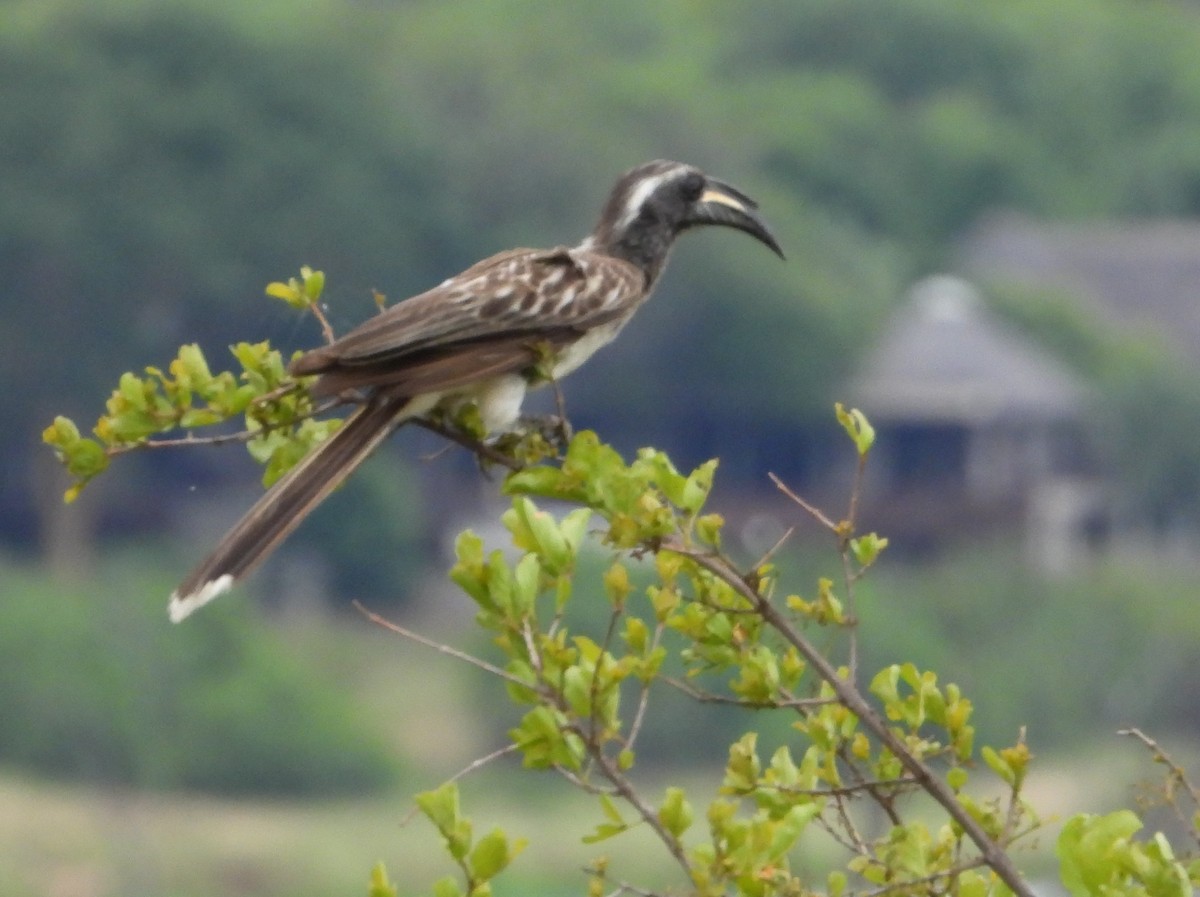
[[481, 336]]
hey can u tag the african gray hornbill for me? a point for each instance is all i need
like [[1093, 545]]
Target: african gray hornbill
[[480, 337]]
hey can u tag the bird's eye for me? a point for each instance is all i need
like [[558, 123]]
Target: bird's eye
[[692, 186]]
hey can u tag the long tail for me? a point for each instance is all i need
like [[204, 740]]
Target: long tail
[[286, 504]]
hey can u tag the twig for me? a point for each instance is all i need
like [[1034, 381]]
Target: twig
[[812, 510], [639, 715], [848, 573], [706, 697], [843, 790], [770, 552], [856, 703], [477, 763], [583, 784], [622, 886], [480, 449], [625, 788], [326, 330], [894, 886], [1177, 775], [224, 438], [437, 646]]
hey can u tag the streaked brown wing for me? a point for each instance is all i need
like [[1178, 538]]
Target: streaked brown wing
[[484, 322], [447, 367]]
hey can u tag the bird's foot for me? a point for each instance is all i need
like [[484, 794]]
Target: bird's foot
[[553, 429]]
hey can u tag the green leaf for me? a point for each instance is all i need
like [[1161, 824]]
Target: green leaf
[[636, 634], [610, 810], [1092, 851], [857, 427], [791, 827], [379, 886], [836, 883], [192, 366], [539, 532], [447, 886], [741, 772], [525, 582], [956, 777], [708, 528], [441, 806], [61, 433], [697, 487], [866, 549], [491, 855], [577, 690], [199, 417], [617, 586], [574, 527], [676, 813], [998, 764], [543, 480], [132, 390], [470, 572], [542, 742], [314, 283], [604, 831]]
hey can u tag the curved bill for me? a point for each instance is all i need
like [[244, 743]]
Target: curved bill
[[725, 205]]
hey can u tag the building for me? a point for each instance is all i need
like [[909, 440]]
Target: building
[[980, 432]]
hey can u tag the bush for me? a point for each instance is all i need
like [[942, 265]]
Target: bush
[[107, 691]]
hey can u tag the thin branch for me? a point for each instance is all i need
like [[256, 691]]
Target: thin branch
[[326, 329], [560, 404], [437, 646], [1013, 814], [886, 802], [707, 697], [933, 877], [639, 715], [770, 552], [583, 784], [480, 449], [843, 790], [1177, 775], [848, 572], [223, 438], [812, 510], [477, 763], [622, 886], [993, 854], [625, 788], [856, 491]]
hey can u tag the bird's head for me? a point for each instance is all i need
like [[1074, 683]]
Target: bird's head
[[654, 203]]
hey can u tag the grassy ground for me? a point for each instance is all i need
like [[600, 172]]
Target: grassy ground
[[84, 841], [72, 841]]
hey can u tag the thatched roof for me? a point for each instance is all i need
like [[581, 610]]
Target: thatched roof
[[945, 357], [1143, 274]]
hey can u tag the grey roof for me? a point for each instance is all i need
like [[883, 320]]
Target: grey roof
[[1144, 274], [945, 357]]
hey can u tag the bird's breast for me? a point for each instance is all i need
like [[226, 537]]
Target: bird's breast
[[583, 348]]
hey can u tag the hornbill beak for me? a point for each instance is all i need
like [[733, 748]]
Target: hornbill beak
[[728, 206]]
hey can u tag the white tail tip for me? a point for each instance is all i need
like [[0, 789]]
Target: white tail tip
[[181, 606]]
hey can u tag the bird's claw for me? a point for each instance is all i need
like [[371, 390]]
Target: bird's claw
[[554, 429]]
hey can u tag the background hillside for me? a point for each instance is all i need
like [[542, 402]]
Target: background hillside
[[161, 162]]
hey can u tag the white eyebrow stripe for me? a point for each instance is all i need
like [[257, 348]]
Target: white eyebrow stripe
[[640, 194]]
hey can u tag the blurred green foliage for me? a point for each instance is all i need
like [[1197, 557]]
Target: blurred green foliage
[[160, 162], [1073, 658], [94, 685]]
